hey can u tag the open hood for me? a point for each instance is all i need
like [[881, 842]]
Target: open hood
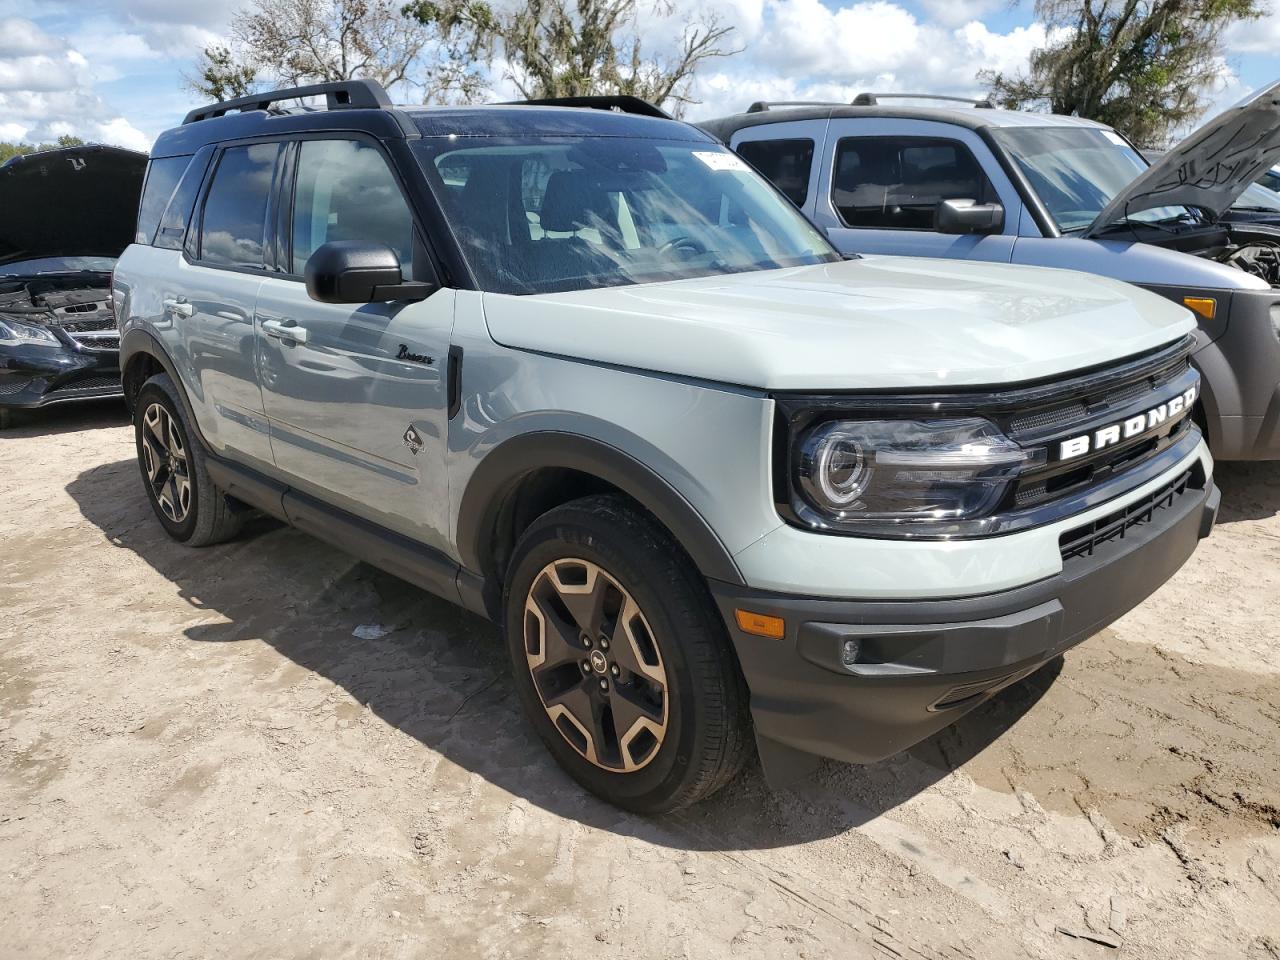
[[1209, 169], [73, 202]]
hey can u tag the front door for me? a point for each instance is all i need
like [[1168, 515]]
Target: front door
[[355, 393], [885, 179]]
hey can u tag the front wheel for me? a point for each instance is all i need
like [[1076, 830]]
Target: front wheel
[[186, 501], [621, 660]]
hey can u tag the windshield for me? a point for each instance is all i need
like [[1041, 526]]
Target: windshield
[[1257, 197], [1076, 171], [545, 214]]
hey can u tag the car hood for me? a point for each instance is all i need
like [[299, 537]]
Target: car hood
[[872, 323], [1210, 168], [73, 202]]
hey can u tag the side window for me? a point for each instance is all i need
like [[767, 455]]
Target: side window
[[898, 182], [345, 191], [176, 216], [162, 177], [235, 210], [784, 162]]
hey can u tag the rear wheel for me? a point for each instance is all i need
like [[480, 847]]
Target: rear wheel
[[621, 660], [186, 501]]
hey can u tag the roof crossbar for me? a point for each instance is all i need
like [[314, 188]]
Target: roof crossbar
[[873, 99], [340, 94], [619, 103], [761, 106]]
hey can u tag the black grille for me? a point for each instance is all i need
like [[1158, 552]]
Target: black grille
[[1105, 398], [1085, 541], [86, 326], [89, 383]]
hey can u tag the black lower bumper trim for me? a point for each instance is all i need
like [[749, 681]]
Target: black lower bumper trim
[[862, 680]]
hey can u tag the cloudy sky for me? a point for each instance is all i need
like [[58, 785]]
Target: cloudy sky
[[110, 70]]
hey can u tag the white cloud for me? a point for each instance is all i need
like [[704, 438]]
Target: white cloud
[[806, 50], [47, 89], [1254, 36]]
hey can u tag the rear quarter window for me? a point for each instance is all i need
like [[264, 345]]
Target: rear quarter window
[[163, 175], [177, 213]]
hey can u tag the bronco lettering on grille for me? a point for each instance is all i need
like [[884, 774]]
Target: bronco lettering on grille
[[1128, 428]]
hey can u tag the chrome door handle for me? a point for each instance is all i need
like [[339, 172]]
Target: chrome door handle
[[284, 330], [178, 307]]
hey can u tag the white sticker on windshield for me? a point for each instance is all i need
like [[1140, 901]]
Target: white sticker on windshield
[[1115, 138], [718, 160]]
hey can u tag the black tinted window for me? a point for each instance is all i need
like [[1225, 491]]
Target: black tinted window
[[176, 216], [898, 182], [346, 191], [235, 211], [162, 177], [785, 162]]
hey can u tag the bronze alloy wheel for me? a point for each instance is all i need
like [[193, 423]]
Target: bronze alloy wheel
[[165, 462], [596, 665]]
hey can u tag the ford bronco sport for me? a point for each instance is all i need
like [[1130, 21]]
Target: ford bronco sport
[[583, 372], [886, 175]]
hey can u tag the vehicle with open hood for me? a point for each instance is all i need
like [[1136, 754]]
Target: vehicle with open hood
[[65, 216], [927, 176], [587, 374]]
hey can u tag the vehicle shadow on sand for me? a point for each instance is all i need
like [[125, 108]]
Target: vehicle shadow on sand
[[441, 675], [1250, 491], [66, 418]]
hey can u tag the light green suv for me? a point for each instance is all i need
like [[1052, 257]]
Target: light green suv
[[583, 372]]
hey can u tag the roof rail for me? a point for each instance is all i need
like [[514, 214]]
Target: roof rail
[[366, 94], [761, 106], [873, 99], [619, 103]]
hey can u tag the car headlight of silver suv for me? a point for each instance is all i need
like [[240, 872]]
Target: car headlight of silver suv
[[894, 476], [15, 331]]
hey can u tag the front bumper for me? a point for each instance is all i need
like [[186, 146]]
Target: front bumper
[[862, 680], [37, 376]]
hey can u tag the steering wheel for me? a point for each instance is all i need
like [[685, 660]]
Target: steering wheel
[[688, 245]]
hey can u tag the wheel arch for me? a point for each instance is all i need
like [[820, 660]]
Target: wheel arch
[[527, 475]]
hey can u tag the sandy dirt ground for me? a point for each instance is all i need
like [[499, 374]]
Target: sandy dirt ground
[[198, 759]]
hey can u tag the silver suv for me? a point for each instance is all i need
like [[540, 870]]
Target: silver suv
[[585, 373], [909, 175]]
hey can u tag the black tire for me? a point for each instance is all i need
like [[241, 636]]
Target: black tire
[[206, 516], [707, 733], [6, 418]]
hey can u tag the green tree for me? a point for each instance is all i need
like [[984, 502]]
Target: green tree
[[292, 42], [8, 150], [559, 48], [1142, 66], [220, 75]]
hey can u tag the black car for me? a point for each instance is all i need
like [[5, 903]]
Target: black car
[[65, 216]]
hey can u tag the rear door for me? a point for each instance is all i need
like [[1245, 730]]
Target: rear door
[[211, 307], [884, 178], [788, 154], [355, 393]]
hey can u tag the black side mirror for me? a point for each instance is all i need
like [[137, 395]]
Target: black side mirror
[[966, 216], [351, 271]]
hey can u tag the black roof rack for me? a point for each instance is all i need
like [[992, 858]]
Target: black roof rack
[[620, 103], [760, 106], [873, 99], [367, 94]]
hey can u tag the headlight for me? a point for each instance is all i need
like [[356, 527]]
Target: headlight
[[15, 331], [869, 474]]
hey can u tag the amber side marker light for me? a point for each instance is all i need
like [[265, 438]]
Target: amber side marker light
[[775, 628], [1207, 307]]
